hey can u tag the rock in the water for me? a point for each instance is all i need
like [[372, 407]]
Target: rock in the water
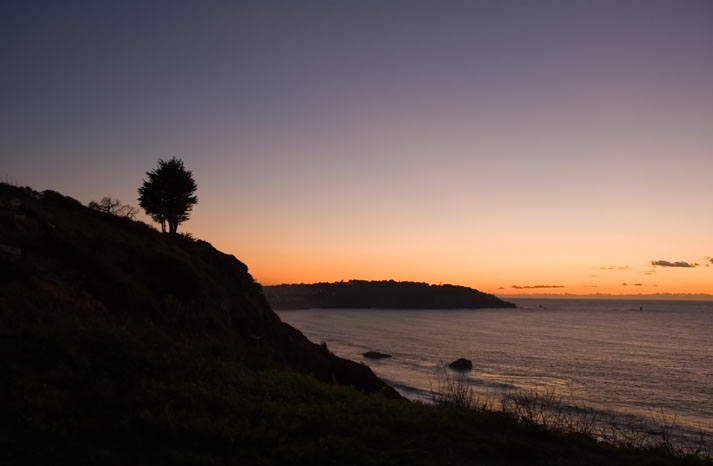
[[376, 355], [461, 364]]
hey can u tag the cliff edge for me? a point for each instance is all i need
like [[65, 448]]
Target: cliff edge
[[63, 265]]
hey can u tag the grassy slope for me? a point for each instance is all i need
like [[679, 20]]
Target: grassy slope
[[141, 396]]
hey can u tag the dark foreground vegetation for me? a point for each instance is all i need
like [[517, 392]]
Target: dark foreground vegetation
[[384, 294], [81, 396], [119, 345]]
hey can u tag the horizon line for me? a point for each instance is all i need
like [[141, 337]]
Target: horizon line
[[672, 296]]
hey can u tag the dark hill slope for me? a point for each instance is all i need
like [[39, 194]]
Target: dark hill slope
[[387, 294], [64, 265]]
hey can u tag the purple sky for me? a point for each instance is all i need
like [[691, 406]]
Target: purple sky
[[483, 143]]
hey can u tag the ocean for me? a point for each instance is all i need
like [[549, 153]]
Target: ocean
[[644, 360]]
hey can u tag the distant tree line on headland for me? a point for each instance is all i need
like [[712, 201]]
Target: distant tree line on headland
[[386, 294]]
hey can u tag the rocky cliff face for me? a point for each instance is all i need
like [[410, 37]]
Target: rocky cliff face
[[63, 264]]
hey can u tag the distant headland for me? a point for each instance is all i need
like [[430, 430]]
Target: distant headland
[[385, 294]]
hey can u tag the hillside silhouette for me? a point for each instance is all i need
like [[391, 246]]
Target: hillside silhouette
[[64, 264], [385, 294]]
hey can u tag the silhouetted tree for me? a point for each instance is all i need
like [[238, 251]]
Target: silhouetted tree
[[169, 194], [114, 207]]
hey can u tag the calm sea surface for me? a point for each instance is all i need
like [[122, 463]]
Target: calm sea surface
[[606, 354]]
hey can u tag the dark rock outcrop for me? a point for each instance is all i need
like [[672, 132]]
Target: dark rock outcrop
[[461, 364], [376, 355]]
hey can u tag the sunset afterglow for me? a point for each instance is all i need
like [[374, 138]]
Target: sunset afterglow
[[514, 147]]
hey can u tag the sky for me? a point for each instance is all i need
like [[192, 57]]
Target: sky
[[511, 146]]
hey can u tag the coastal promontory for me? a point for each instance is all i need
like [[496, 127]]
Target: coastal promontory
[[383, 294], [68, 267]]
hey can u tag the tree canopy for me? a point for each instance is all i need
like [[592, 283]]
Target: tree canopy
[[168, 195]]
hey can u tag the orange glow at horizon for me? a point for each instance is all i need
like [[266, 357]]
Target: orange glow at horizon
[[489, 271]]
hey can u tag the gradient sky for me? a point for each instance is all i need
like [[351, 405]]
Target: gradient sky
[[501, 145]]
